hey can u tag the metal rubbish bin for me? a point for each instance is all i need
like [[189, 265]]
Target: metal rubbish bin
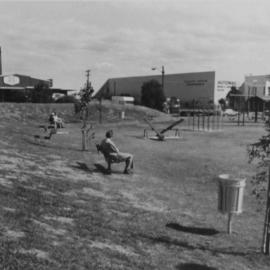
[[230, 194]]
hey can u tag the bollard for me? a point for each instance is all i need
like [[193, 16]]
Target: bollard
[[230, 196], [122, 115]]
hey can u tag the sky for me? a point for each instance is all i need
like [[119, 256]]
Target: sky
[[122, 38]]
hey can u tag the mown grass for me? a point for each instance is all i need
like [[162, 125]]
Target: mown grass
[[59, 211]]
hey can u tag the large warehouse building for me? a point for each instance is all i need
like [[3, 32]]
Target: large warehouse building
[[14, 85], [199, 86]]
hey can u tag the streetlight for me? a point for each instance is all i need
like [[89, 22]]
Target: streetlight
[[162, 76]]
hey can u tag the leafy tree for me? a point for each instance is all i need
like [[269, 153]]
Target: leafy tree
[[85, 98], [152, 95], [260, 152], [222, 103], [66, 99], [41, 93], [234, 98]]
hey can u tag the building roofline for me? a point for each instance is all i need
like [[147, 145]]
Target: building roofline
[[31, 87], [16, 74], [157, 75]]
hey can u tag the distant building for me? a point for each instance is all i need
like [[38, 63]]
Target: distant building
[[223, 88], [257, 85], [16, 86], [198, 86], [122, 100], [256, 92]]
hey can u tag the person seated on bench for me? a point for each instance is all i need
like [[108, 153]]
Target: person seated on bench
[[52, 118], [112, 153], [55, 120]]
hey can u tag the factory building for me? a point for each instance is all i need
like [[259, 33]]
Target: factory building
[[13, 86], [198, 86]]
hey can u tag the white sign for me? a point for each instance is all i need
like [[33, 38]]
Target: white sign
[[11, 80]]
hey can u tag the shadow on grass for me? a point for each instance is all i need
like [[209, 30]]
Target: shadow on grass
[[194, 266], [184, 244], [194, 230], [102, 169], [82, 166], [49, 144], [99, 168]]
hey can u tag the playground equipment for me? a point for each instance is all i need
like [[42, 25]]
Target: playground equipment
[[230, 196], [160, 136]]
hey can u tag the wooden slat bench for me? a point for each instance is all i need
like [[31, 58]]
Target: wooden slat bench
[[110, 159]]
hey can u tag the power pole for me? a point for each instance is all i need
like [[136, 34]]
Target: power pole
[[162, 78], [88, 83]]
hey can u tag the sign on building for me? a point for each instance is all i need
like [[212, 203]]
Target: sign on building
[[11, 80]]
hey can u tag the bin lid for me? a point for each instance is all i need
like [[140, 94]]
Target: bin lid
[[228, 179]]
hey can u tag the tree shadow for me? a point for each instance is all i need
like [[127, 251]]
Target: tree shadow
[[184, 244], [193, 230], [49, 144], [194, 266]]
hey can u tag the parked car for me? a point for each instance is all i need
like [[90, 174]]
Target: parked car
[[230, 113]]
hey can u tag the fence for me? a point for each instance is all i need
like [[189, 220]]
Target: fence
[[205, 122]]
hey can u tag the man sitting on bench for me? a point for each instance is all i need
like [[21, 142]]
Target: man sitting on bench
[[112, 153]]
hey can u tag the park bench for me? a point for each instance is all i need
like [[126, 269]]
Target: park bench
[[46, 127], [110, 158], [48, 136]]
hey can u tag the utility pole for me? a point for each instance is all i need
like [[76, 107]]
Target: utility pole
[[88, 83], [162, 77], [0, 61]]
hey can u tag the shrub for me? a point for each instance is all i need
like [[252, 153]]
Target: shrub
[[67, 99], [152, 95]]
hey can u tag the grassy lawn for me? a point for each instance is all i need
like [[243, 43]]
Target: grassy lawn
[[60, 211]]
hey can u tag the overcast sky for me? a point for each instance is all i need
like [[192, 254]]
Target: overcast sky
[[61, 40]]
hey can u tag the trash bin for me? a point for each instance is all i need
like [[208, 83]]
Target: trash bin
[[230, 194]]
